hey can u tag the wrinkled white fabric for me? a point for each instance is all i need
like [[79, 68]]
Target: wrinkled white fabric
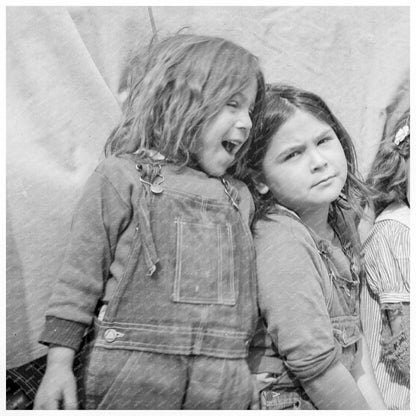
[[65, 85]]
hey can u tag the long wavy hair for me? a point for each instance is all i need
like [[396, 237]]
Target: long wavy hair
[[281, 102], [176, 88], [389, 175]]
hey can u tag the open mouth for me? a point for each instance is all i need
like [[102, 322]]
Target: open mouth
[[231, 146]]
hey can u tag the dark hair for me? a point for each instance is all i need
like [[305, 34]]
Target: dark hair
[[281, 102], [388, 175], [176, 88]]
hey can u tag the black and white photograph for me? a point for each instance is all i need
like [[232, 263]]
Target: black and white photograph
[[207, 207]]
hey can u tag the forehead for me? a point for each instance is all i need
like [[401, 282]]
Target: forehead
[[299, 127], [249, 90]]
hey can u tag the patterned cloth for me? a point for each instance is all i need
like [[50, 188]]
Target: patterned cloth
[[386, 256]]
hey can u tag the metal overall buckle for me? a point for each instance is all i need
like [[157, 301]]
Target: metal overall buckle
[[155, 187]]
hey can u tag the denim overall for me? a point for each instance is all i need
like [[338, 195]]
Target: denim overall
[[175, 331], [342, 303]]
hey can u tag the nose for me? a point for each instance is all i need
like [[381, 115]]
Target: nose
[[244, 121], [317, 160]]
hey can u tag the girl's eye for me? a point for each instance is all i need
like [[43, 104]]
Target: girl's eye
[[233, 103], [324, 140], [292, 155]]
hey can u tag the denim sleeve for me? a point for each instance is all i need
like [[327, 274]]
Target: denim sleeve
[[292, 283], [102, 212]]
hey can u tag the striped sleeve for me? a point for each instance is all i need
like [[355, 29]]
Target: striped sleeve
[[386, 259]]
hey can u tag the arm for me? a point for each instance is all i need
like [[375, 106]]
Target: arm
[[293, 282], [102, 213], [58, 389], [395, 339], [335, 389], [395, 318], [355, 390], [386, 256], [364, 377]]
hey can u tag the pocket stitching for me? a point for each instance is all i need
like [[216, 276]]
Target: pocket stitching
[[218, 297]]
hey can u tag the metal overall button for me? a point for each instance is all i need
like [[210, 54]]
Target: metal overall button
[[110, 335], [154, 187]]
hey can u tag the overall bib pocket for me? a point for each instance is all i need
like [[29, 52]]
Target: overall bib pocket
[[347, 334], [204, 272]]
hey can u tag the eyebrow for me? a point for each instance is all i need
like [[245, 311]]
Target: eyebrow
[[295, 147], [325, 133], [242, 97], [289, 150]]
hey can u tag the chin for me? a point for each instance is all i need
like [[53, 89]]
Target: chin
[[215, 172], [330, 196]]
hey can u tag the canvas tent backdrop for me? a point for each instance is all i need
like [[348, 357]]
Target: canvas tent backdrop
[[66, 83]]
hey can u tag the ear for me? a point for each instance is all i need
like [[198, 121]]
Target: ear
[[261, 187]]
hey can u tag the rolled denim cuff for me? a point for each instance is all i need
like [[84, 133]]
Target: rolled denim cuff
[[309, 372], [62, 332]]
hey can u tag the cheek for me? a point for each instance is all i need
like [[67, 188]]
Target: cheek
[[341, 162], [344, 168], [282, 190]]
